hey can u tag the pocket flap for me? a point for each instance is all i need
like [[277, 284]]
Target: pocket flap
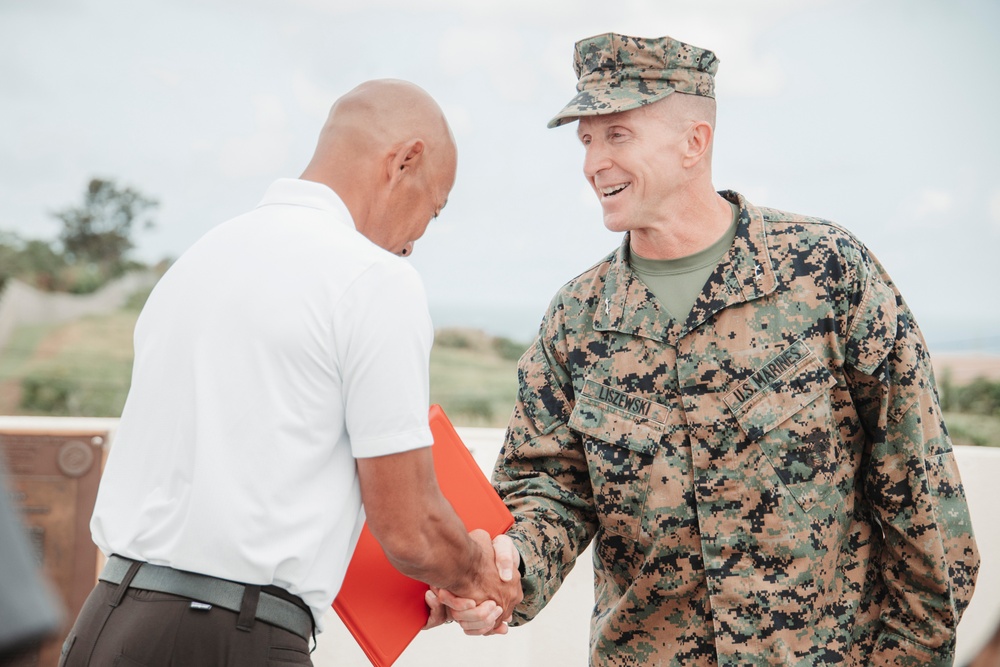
[[767, 399], [619, 418]]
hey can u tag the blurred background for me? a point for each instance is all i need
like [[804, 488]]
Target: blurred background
[[132, 127], [129, 128]]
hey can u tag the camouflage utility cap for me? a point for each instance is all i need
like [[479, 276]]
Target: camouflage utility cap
[[618, 73]]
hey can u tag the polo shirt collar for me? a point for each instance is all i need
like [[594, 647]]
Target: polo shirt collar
[[308, 194]]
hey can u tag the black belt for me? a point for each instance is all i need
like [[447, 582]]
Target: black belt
[[218, 592]]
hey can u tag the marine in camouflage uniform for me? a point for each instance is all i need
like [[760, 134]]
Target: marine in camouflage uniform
[[769, 481]]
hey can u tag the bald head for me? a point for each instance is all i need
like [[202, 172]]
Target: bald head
[[382, 140], [382, 113]]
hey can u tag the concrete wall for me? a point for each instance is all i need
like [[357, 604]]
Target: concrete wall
[[22, 304]]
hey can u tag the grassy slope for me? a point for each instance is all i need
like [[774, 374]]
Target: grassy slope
[[79, 368], [966, 429], [83, 368], [475, 387]]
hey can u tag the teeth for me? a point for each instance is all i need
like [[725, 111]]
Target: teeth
[[613, 189]]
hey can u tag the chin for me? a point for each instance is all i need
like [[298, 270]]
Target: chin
[[615, 223]]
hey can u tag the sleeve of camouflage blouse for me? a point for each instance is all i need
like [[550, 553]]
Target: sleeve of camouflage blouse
[[911, 485], [542, 476]]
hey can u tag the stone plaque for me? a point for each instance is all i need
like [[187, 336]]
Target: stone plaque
[[52, 477]]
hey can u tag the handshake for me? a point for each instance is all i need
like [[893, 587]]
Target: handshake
[[496, 582]]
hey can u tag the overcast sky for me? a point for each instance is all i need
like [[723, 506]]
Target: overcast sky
[[878, 114]]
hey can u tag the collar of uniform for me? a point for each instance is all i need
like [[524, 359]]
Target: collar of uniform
[[626, 305], [744, 273], [749, 256], [308, 194]]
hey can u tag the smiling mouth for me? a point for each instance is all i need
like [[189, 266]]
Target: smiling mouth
[[612, 190]]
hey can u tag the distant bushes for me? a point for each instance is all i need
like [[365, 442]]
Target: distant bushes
[[479, 341], [979, 397], [62, 391], [972, 411], [474, 376]]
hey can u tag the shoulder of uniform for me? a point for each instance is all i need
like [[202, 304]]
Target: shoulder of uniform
[[807, 230], [577, 292], [790, 234], [589, 281]]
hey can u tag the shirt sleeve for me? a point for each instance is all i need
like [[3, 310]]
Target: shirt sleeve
[[384, 351], [912, 486], [543, 477]]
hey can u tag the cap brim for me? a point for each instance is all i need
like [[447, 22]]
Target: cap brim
[[603, 102]]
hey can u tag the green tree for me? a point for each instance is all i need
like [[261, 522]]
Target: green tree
[[33, 261], [100, 230]]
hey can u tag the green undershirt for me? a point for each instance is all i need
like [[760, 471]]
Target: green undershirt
[[677, 283]]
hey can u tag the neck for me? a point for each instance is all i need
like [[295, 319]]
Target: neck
[[686, 229], [335, 176]]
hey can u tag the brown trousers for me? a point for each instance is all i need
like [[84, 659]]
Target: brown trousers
[[137, 628]]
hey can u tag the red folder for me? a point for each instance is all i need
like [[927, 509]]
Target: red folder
[[385, 609]]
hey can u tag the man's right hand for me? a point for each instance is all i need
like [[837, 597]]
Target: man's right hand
[[422, 536], [486, 619]]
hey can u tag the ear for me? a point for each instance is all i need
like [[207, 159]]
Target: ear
[[699, 139], [405, 159]]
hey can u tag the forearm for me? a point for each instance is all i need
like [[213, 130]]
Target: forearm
[[421, 534], [433, 547]]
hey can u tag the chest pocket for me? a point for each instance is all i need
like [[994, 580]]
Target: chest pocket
[[785, 408], [621, 435]]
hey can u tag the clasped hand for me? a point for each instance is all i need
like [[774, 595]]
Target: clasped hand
[[491, 616]]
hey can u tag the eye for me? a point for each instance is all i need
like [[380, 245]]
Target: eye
[[617, 133]]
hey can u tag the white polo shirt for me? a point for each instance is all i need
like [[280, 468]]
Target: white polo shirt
[[278, 348]]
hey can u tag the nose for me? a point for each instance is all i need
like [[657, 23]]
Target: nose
[[407, 249], [595, 160]]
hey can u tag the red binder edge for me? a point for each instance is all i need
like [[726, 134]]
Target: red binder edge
[[384, 609]]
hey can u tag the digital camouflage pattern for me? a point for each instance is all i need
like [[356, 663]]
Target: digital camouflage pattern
[[766, 483], [617, 73]]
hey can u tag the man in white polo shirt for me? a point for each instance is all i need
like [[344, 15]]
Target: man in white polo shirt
[[280, 379]]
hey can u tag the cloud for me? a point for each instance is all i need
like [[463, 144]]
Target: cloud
[[928, 209], [499, 52], [313, 98], [931, 204], [995, 210], [460, 119], [256, 153]]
